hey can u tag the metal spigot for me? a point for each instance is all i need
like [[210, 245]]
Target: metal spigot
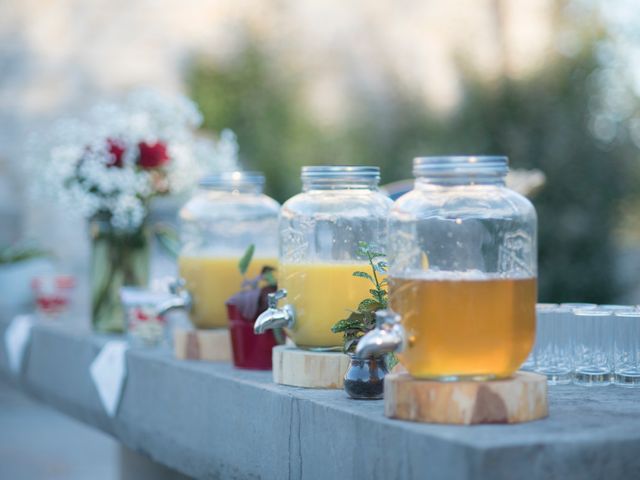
[[274, 317], [181, 298], [388, 336]]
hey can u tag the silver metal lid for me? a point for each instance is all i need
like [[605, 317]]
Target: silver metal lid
[[344, 173], [460, 165], [232, 179]]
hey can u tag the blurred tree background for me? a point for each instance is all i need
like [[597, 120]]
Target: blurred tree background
[[550, 120]]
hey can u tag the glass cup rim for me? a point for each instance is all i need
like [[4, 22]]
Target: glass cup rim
[[579, 305], [546, 306], [617, 307], [592, 312]]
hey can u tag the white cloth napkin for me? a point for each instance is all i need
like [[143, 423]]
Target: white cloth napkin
[[16, 339], [108, 371]]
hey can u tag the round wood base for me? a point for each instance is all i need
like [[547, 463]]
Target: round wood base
[[304, 368], [522, 398], [212, 345]]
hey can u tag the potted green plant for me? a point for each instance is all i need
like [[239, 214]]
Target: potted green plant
[[365, 377]]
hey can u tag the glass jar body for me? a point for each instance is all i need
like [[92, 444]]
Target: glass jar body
[[462, 274], [320, 232], [364, 379], [216, 228]]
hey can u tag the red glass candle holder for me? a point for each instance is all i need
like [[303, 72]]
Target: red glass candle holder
[[250, 351]]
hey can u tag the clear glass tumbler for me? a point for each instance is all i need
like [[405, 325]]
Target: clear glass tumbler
[[554, 343], [593, 347], [529, 364], [626, 331]]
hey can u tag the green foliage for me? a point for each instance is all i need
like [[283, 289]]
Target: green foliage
[[243, 264], [19, 253], [267, 275], [363, 319], [168, 238], [251, 96]]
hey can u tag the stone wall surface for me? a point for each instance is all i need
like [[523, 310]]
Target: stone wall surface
[[209, 420]]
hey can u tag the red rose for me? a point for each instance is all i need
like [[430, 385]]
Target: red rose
[[116, 149], [152, 156]]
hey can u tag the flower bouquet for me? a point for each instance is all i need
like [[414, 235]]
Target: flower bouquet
[[109, 166]]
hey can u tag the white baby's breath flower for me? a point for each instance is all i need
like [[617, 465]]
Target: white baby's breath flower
[[127, 212], [91, 165]]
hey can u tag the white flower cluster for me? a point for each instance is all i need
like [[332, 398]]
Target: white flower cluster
[[95, 165]]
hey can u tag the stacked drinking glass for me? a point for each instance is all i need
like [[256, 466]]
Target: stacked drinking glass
[[587, 344]]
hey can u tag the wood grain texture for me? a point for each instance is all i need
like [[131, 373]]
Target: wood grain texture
[[522, 398], [211, 345], [303, 368]]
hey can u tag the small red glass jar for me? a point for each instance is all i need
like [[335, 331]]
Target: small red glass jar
[[250, 351]]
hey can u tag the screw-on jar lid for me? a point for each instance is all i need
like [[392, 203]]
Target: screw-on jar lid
[[346, 173], [460, 165], [232, 179]]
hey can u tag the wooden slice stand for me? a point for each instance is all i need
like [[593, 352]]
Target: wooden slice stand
[[522, 398], [303, 368], [211, 345]]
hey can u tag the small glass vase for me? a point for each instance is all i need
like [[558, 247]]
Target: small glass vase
[[118, 258], [364, 379]]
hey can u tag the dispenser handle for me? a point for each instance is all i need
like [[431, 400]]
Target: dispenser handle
[[181, 298], [177, 286], [386, 318], [274, 298]]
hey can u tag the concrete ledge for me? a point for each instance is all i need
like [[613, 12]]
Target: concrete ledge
[[209, 420]]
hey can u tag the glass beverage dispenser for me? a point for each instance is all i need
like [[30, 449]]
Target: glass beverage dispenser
[[227, 214], [462, 275], [320, 230]]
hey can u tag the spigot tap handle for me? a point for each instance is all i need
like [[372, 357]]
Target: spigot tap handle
[[385, 318], [177, 286], [274, 298]]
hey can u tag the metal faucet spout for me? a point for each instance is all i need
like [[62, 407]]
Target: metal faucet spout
[[181, 299], [274, 317], [175, 303], [389, 336]]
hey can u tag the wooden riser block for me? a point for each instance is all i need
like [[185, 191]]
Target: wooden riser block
[[211, 345], [522, 398], [303, 368]]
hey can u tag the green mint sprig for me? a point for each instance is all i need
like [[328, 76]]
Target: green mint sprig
[[363, 319]]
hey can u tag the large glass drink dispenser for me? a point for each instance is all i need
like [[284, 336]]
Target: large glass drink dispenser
[[462, 253], [228, 213], [320, 231]]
